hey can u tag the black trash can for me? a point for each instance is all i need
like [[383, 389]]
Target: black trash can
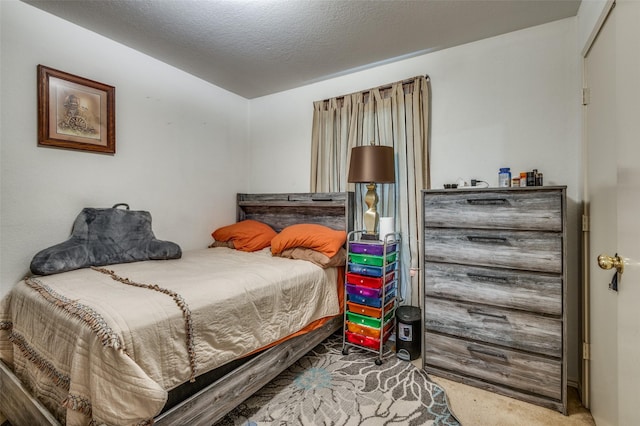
[[408, 332]]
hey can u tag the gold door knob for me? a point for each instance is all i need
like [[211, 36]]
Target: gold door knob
[[608, 262]]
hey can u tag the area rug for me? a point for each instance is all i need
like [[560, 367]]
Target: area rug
[[326, 387]]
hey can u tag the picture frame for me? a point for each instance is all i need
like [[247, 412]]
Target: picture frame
[[75, 113]]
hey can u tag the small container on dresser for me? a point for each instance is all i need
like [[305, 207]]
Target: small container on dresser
[[495, 290], [370, 290]]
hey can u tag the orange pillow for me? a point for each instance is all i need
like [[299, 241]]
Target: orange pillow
[[247, 235], [317, 237]]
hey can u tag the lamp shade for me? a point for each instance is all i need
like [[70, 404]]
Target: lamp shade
[[372, 163]]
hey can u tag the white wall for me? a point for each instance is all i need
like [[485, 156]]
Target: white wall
[[508, 101], [511, 100], [180, 143]]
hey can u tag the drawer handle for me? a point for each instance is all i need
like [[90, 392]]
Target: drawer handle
[[488, 278], [488, 201], [486, 314], [488, 240], [488, 353]]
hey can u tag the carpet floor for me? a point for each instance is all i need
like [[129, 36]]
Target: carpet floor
[[478, 407], [326, 387]]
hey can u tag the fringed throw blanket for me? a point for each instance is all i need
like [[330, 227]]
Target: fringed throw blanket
[[105, 345]]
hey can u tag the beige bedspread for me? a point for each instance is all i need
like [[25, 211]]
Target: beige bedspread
[[108, 344]]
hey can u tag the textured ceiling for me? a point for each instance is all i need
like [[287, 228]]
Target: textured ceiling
[[258, 47]]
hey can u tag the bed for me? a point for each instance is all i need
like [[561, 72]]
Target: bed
[[161, 361]]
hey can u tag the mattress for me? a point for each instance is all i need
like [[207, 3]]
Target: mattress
[[108, 343]]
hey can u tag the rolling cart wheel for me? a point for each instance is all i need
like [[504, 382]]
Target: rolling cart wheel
[[378, 361], [345, 351]]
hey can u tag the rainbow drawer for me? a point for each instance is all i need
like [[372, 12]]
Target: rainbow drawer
[[369, 292], [374, 249], [371, 271], [369, 342], [367, 259], [376, 302], [368, 310], [369, 331], [372, 282], [368, 321]]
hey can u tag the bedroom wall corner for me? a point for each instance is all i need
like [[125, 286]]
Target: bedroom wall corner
[[180, 142]]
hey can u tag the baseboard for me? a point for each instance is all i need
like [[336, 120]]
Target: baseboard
[[577, 384], [574, 383]]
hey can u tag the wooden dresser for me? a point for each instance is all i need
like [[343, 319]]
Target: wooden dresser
[[495, 290]]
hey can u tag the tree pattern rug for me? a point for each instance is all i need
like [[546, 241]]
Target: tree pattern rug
[[326, 387]]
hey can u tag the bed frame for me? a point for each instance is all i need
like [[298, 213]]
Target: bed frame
[[214, 401]]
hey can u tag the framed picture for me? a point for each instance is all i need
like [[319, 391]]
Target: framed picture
[[75, 113]]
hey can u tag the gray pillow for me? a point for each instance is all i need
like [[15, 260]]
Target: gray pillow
[[105, 237]]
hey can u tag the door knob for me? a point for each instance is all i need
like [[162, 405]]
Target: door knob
[[608, 262]]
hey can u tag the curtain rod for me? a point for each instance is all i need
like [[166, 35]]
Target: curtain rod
[[383, 87]]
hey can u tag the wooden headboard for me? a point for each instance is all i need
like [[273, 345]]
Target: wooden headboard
[[331, 209]]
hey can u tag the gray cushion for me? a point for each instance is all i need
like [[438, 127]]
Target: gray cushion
[[105, 237]]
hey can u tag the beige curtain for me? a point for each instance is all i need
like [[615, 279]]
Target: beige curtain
[[398, 116]]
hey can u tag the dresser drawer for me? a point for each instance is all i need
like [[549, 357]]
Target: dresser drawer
[[366, 341], [370, 331], [368, 321], [531, 373], [370, 271], [526, 250], [376, 249], [529, 291], [375, 302], [513, 329], [368, 310], [368, 259], [373, 282], [497, 209]]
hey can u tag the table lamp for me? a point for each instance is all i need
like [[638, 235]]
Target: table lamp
[[371, 164]]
